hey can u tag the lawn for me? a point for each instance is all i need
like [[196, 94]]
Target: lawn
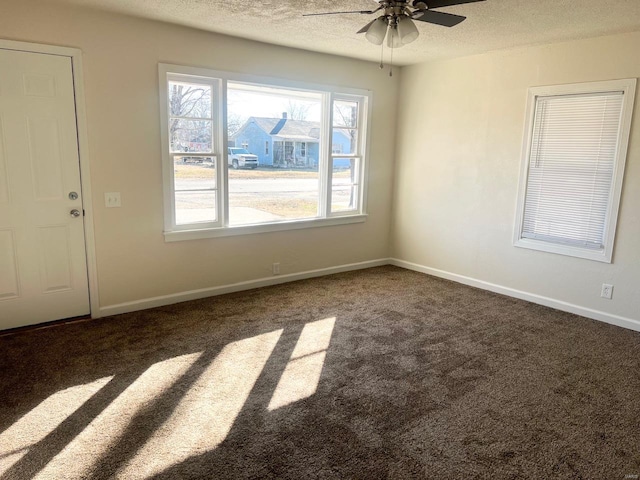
[[196, 170]]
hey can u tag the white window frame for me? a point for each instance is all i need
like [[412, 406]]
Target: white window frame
[[173, 232], [358, 155], [628, 88], [215, 153]]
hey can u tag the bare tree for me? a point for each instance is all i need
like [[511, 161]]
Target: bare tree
[[190, 101], [298, 110], [234, 122]]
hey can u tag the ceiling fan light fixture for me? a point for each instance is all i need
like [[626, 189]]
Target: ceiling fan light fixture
[[407, 30], [377, 31]]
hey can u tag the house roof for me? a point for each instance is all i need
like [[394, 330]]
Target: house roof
[[286, 128]]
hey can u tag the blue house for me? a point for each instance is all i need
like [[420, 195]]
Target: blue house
[[282, 142]]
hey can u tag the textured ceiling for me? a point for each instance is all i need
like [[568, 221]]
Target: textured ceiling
[[490, 25]]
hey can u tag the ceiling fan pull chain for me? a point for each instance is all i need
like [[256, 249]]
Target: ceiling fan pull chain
[[391, 64], [381, 66]]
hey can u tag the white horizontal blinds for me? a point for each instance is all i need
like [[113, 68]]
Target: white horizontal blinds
[[571, 164]]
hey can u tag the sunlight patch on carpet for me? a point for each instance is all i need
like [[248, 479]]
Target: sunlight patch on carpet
[[301, 377], [42, 420], [205, 415], [78, 457]]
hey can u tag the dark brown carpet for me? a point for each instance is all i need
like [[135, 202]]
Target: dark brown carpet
[[416, 377]]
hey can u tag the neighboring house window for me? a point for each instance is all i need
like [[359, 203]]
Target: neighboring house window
[[573, 166], [209, 188]]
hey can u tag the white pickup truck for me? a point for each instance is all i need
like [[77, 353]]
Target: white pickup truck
[[240, 158]]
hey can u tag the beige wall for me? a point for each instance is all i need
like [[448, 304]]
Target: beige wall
[[121, 55], [460, 133], [458, 149]]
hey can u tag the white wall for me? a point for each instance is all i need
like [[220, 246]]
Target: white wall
[[460, 133], [121, 56]]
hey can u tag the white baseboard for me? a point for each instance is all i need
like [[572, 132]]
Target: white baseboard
[[278, 279], [235, 287], [530, 297]]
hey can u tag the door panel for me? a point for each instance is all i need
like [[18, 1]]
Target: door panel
[[43, 271], [4, 178], [46, 159], [55, 259], [9, 287]]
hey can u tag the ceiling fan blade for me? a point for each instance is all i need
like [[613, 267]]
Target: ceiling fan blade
[[366, 27], [339, 13], [447, 3], [440, 18]]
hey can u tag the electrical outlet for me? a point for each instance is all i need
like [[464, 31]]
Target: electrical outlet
[[112, 199], [276, 269], [607, 291]]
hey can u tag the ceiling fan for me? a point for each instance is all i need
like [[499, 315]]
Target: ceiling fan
[[396, 23]]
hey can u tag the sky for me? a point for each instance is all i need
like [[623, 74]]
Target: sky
[[248, 101]]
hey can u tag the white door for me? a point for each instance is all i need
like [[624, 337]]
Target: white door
[[43, 269]]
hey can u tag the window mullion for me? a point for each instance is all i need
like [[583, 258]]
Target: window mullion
[[326, 162], [360, 146], [201, 119], [220, 114], [172, 190]]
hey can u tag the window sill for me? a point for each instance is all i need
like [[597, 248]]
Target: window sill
[[597, 255], [180, 235]]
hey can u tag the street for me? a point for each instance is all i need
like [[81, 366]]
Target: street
[[261, 196]]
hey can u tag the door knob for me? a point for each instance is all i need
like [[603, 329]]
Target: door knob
[[75, 212]]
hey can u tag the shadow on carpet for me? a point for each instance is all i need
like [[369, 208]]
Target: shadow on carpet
[[380, 373]]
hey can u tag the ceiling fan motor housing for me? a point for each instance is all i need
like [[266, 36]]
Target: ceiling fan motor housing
[[396, 22]]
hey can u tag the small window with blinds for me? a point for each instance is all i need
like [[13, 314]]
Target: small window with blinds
[[573, 165]]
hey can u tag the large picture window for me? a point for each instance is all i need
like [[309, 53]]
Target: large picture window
[[246, 155], [573, 166]]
